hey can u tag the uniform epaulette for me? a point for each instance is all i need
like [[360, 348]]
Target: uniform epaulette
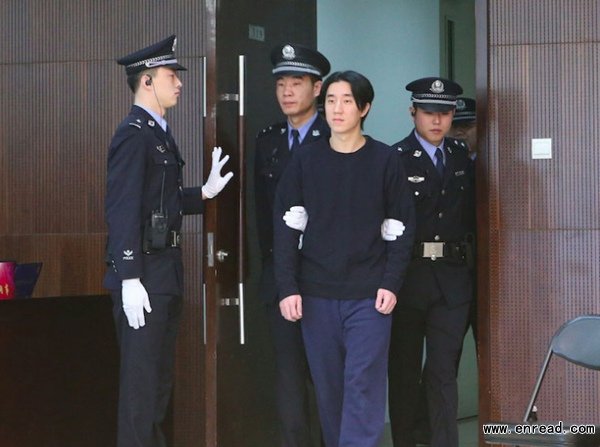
[[278, 128], [457, 143], [403, 150], [137, 123]]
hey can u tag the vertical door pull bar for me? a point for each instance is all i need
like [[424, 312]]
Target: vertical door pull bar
[[204, 86], [242, 203], [204, 312]]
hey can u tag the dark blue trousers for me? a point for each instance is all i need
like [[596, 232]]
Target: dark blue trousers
[[443, 329], [346, 344], [146, 370]]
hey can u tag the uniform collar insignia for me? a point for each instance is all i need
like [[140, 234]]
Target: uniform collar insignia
[[316, 133], [282, 131], [160, 148], [417, 153], [151, 123]]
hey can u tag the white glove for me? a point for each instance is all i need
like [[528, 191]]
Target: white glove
[[296, 217], [215, 182], [391, 229], [135, 300]]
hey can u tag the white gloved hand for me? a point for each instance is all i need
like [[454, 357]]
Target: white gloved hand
[[296, 217], [135, 300], [215, 183], [391, 229]]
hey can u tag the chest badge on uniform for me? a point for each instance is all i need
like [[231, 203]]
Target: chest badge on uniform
[[459, 173], [316, 133], [160, 148], [416, 179], [417, 153], [151, 123]]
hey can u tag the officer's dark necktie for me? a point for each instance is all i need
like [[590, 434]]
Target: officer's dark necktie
[[295, 139], [169, 137], [439, 162]]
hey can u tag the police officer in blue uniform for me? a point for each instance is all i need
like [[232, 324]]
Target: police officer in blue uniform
[[464, 126], [298, 72], [434, 299], [145, 203]]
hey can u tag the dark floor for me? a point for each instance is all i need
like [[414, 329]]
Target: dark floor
[[468, 432]]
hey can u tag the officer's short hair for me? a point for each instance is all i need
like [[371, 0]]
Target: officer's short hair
[[134, 80], [361, 88]]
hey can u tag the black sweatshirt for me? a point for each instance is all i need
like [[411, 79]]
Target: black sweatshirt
[[347, 197]]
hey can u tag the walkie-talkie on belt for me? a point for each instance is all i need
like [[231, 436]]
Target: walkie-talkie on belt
[[155, 234]]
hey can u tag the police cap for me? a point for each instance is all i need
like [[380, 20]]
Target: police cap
[[465, 110], [160, 54], [293, 59], [434, 94]]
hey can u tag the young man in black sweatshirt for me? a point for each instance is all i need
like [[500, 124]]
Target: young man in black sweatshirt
[[342, 282]]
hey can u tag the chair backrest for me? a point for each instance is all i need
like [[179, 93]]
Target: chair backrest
[[26, 276], [578, 341]]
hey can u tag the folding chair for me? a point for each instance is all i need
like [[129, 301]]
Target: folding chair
[[26, 276], [577, 341]]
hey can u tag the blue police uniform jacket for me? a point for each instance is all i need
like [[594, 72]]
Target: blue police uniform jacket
[[271, 158], [445, 212], [144, 170]]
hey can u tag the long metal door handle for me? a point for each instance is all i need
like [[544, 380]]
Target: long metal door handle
[[204, 312], [242, 202], [204, 86]]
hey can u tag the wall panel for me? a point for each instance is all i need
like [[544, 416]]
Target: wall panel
[[62, 97], [544, 215], [519, 22]]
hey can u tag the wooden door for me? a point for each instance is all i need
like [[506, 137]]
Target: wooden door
[[239, 362]]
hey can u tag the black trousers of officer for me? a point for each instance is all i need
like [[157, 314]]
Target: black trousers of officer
[[443, 329], [293, 383], [147, 358]]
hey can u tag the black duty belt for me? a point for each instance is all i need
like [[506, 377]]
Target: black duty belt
[[174, 239], [456, 251]]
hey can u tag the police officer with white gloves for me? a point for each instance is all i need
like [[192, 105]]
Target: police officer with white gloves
[[145, 203], [433, 304]]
